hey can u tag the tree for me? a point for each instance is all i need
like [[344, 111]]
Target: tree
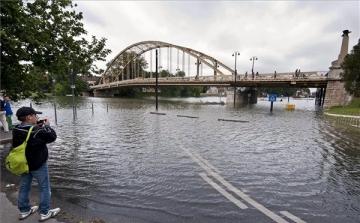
[[123, 69], [44, 39], [180, 74], [281, 91], [351, 71]]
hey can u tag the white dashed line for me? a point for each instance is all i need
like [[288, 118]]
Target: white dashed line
[[292, 217], [245, 197], [206, 162], [223, 192]]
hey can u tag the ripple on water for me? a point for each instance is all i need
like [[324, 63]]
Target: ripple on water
[[127, 161]]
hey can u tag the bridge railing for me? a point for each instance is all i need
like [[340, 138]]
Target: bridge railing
[[312, 75]]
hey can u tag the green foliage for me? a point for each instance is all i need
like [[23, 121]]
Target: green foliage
[[351, 73], [180, 74], [282, 91], [181, 91], [64, 87], [59, 90], [124, 68], [42, 42], [165, 73]]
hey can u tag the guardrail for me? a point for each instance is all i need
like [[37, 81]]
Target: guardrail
[[225, 79]]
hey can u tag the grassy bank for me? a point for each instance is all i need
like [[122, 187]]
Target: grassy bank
[[352, 109]]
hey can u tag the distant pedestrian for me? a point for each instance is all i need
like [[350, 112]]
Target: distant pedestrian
[[9, 112], [252, 75], [275, 75], [3, 116], [246, 74], [257, 74], [296, 71], [36, 155]]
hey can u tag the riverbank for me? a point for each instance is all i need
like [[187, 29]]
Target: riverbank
[[351, 120], [70, 213], [348, 115], [353, 109]]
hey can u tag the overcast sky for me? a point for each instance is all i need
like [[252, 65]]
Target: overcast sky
[[284, 35]]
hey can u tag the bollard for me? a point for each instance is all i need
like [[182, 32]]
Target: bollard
[[55, 113], [92, 108], [271, 106], [107, 107], [290, 107]]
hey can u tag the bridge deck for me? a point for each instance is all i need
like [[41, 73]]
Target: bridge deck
[[305, 80]]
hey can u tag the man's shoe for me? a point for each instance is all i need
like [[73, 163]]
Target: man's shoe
[[51, 213], [24, 215]]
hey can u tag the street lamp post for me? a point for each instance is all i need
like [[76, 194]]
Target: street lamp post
[[253, 60], [235, 73]]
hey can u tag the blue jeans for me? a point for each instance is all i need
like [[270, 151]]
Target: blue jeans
[[42, 177]]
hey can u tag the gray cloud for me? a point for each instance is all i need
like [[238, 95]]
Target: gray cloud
[[285, 35]]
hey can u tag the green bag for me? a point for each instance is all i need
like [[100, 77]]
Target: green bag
[[16, 161]]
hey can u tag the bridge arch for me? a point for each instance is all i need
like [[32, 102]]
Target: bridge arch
[[130, 53]]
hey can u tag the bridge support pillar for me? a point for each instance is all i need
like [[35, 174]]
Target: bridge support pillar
[[103, 94], [335, 91], [242, 97], [336, 95]]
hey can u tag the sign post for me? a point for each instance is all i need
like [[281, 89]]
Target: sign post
[[272, 99]]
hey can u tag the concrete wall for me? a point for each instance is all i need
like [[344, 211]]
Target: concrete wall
[[335, 92], [336, 95]]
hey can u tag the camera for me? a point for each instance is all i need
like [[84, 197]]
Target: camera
[[40, 122]]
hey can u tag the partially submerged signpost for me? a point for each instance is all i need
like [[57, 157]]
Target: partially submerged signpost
[[272, 99]]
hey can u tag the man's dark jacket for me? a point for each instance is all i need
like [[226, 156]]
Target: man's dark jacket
[[36, 150]]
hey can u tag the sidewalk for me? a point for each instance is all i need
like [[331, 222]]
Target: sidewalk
[[6, 137], [348, 116], [10, 213]]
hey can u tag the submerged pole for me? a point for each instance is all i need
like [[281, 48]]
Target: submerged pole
[[55, 113], [156, 77]]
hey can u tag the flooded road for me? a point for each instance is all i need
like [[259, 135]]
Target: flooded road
[[286, 166]]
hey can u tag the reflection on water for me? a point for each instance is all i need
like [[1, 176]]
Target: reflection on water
[[123, 160]]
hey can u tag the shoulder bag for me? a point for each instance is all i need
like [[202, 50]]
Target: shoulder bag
[[16, 161]]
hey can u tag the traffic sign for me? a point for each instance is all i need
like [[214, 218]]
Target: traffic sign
[[272, 97]]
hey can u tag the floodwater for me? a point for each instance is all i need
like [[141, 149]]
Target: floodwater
[[119, 159]]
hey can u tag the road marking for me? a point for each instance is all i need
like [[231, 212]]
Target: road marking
[[292, 217], [223, 192], [206, 162], [245, 197]]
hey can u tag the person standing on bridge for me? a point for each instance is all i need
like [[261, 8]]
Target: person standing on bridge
[[36, 153], [275, 75]]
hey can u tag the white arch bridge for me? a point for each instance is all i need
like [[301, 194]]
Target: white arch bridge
[[127, 70]]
